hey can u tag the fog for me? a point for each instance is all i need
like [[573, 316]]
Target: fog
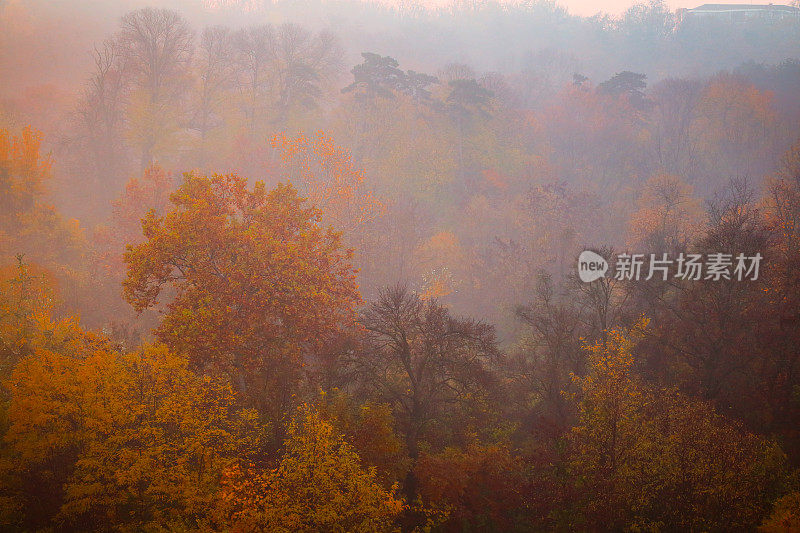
[[279, 195]]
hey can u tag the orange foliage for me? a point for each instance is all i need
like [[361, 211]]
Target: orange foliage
[[257, 282], [27, 224], [330, 178], [479, 485], [151, 191]]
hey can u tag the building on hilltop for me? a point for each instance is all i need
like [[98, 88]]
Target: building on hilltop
[[739, 13]]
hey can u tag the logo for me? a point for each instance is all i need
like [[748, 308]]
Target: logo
[[686, 266], [591, 266]]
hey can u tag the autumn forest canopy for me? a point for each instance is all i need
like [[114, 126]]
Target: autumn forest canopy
[[313, 266]]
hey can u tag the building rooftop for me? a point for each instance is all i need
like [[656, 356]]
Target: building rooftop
[[744, 7]]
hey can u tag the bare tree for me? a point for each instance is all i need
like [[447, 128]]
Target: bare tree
[[100, 114], [254, 48], [424, 362], [284, 70], [217, 72], [675, 102], [158, 45]]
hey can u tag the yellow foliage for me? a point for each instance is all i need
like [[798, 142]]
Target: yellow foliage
[[136, 439], [645, 458], [319, 485]]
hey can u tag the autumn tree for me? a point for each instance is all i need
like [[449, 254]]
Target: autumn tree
[[134, 440], [478, 487], [30, 493], [736, 127], [780, 301], [669, 216], [29, 298], [704, 337], [330, 178], [28, 223], [254, 282], [785, 515], [643, 457], [319, 485], [150, 191], [596, 141], [372, 430]]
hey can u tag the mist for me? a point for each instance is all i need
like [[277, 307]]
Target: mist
[[356, 227]]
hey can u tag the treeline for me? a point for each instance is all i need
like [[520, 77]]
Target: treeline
[[273, 398], [490, 35], [472, 182]]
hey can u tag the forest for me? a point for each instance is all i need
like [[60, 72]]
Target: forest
[[313, 265]]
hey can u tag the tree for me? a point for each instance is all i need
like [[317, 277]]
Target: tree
[[736, 129], [284, 72], [254, 53], [466, 102], [417, 87], [133, 440], [217, 76], [150, 192], [785, 515], [101, 116], [548, 356], [669, 217], [704, 337], [647, 24], [424, 362], [674, 108], [642, 457], [319, 485], [629, 84], [480, 487], [327, 174], [377, 76], [124, 227], [371, 428], [305, 64], [257, 283], [28, 300], [780, 301], [24, 176], [28, 225], [158, 47]]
